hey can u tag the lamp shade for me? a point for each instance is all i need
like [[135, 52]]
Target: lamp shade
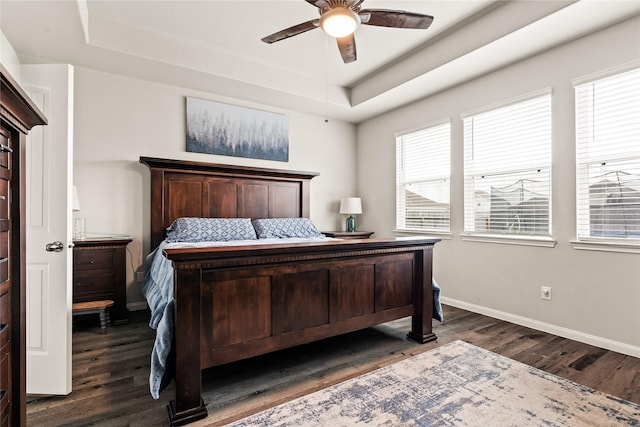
[[76, 200], [350, 205]]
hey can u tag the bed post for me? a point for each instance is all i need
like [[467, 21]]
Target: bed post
[[188, 406], [421, 322], [157, 214], [305, 202]]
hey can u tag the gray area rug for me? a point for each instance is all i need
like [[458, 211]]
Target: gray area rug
[[457, 384]]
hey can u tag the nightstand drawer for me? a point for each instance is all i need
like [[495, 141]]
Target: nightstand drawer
[[91, 283], [86, 260]]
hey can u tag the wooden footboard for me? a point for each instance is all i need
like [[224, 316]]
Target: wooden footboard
[[236, 303]]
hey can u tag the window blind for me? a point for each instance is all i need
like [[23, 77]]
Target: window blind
[[608, 157], [507, 168], [423, 179]]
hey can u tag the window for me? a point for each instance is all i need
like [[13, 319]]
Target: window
[[507, 168], [608, 157], [422, 179]]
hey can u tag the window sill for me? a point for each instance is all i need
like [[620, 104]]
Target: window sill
[[606, 246], [545, 242], [445, 235]]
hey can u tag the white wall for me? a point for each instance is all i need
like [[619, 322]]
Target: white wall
[[596, 295], [118, 119], [9, 59]]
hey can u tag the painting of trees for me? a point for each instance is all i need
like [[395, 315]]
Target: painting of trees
[[229, 130]]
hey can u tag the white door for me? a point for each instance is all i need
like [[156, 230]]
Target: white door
[[49, 215]]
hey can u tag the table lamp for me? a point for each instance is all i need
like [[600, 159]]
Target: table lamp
[[351, 206], [79, 224]]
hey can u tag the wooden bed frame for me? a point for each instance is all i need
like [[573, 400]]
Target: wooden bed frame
[[239, 302]]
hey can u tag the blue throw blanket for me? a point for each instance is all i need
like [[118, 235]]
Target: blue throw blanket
[[437, 307], [157, 288]]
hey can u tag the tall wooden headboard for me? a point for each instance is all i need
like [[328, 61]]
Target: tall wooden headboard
[[182, 188]]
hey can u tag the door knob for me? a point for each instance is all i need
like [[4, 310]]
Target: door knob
[[56, 246]]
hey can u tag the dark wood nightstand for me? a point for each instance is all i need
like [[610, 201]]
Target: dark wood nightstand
[[348, 234], [99, 273]]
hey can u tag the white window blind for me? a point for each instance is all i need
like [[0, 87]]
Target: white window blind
[[507, 168], [423, 178], [608, 157]]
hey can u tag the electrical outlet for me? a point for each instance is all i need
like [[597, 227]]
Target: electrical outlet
[[545, 292], [139, 275]]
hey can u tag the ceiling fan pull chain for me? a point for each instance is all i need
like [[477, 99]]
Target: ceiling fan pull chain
[[326, 78]]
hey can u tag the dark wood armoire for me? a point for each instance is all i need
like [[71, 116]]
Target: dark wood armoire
[[18, 114]]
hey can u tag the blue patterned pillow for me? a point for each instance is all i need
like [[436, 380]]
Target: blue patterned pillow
[[210, 230], [285, 227]]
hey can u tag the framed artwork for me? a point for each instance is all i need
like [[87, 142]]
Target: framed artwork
[[229, 130]]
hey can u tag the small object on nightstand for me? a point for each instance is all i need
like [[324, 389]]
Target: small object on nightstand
[[348, 234]]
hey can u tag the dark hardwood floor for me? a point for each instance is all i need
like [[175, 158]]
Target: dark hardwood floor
[[110, 372]]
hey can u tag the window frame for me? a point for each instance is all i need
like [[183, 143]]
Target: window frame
[[584, 162], [471, 233], [401, 223]]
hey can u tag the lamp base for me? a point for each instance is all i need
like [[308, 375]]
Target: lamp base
[[351, 224], [79, 229]]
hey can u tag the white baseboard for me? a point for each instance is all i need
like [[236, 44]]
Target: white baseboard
[[137, 306], [546, 327]]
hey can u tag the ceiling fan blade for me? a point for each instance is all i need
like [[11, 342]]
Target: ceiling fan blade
[[347, 46], [292, 31], [395, 18]]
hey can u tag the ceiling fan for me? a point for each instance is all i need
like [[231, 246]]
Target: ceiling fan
[[340, 18]]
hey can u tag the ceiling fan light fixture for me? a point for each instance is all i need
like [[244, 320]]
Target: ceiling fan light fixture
[[339, 21]]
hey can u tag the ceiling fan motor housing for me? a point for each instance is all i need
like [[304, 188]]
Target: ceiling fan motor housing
[[323, 5], [339, 21]]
